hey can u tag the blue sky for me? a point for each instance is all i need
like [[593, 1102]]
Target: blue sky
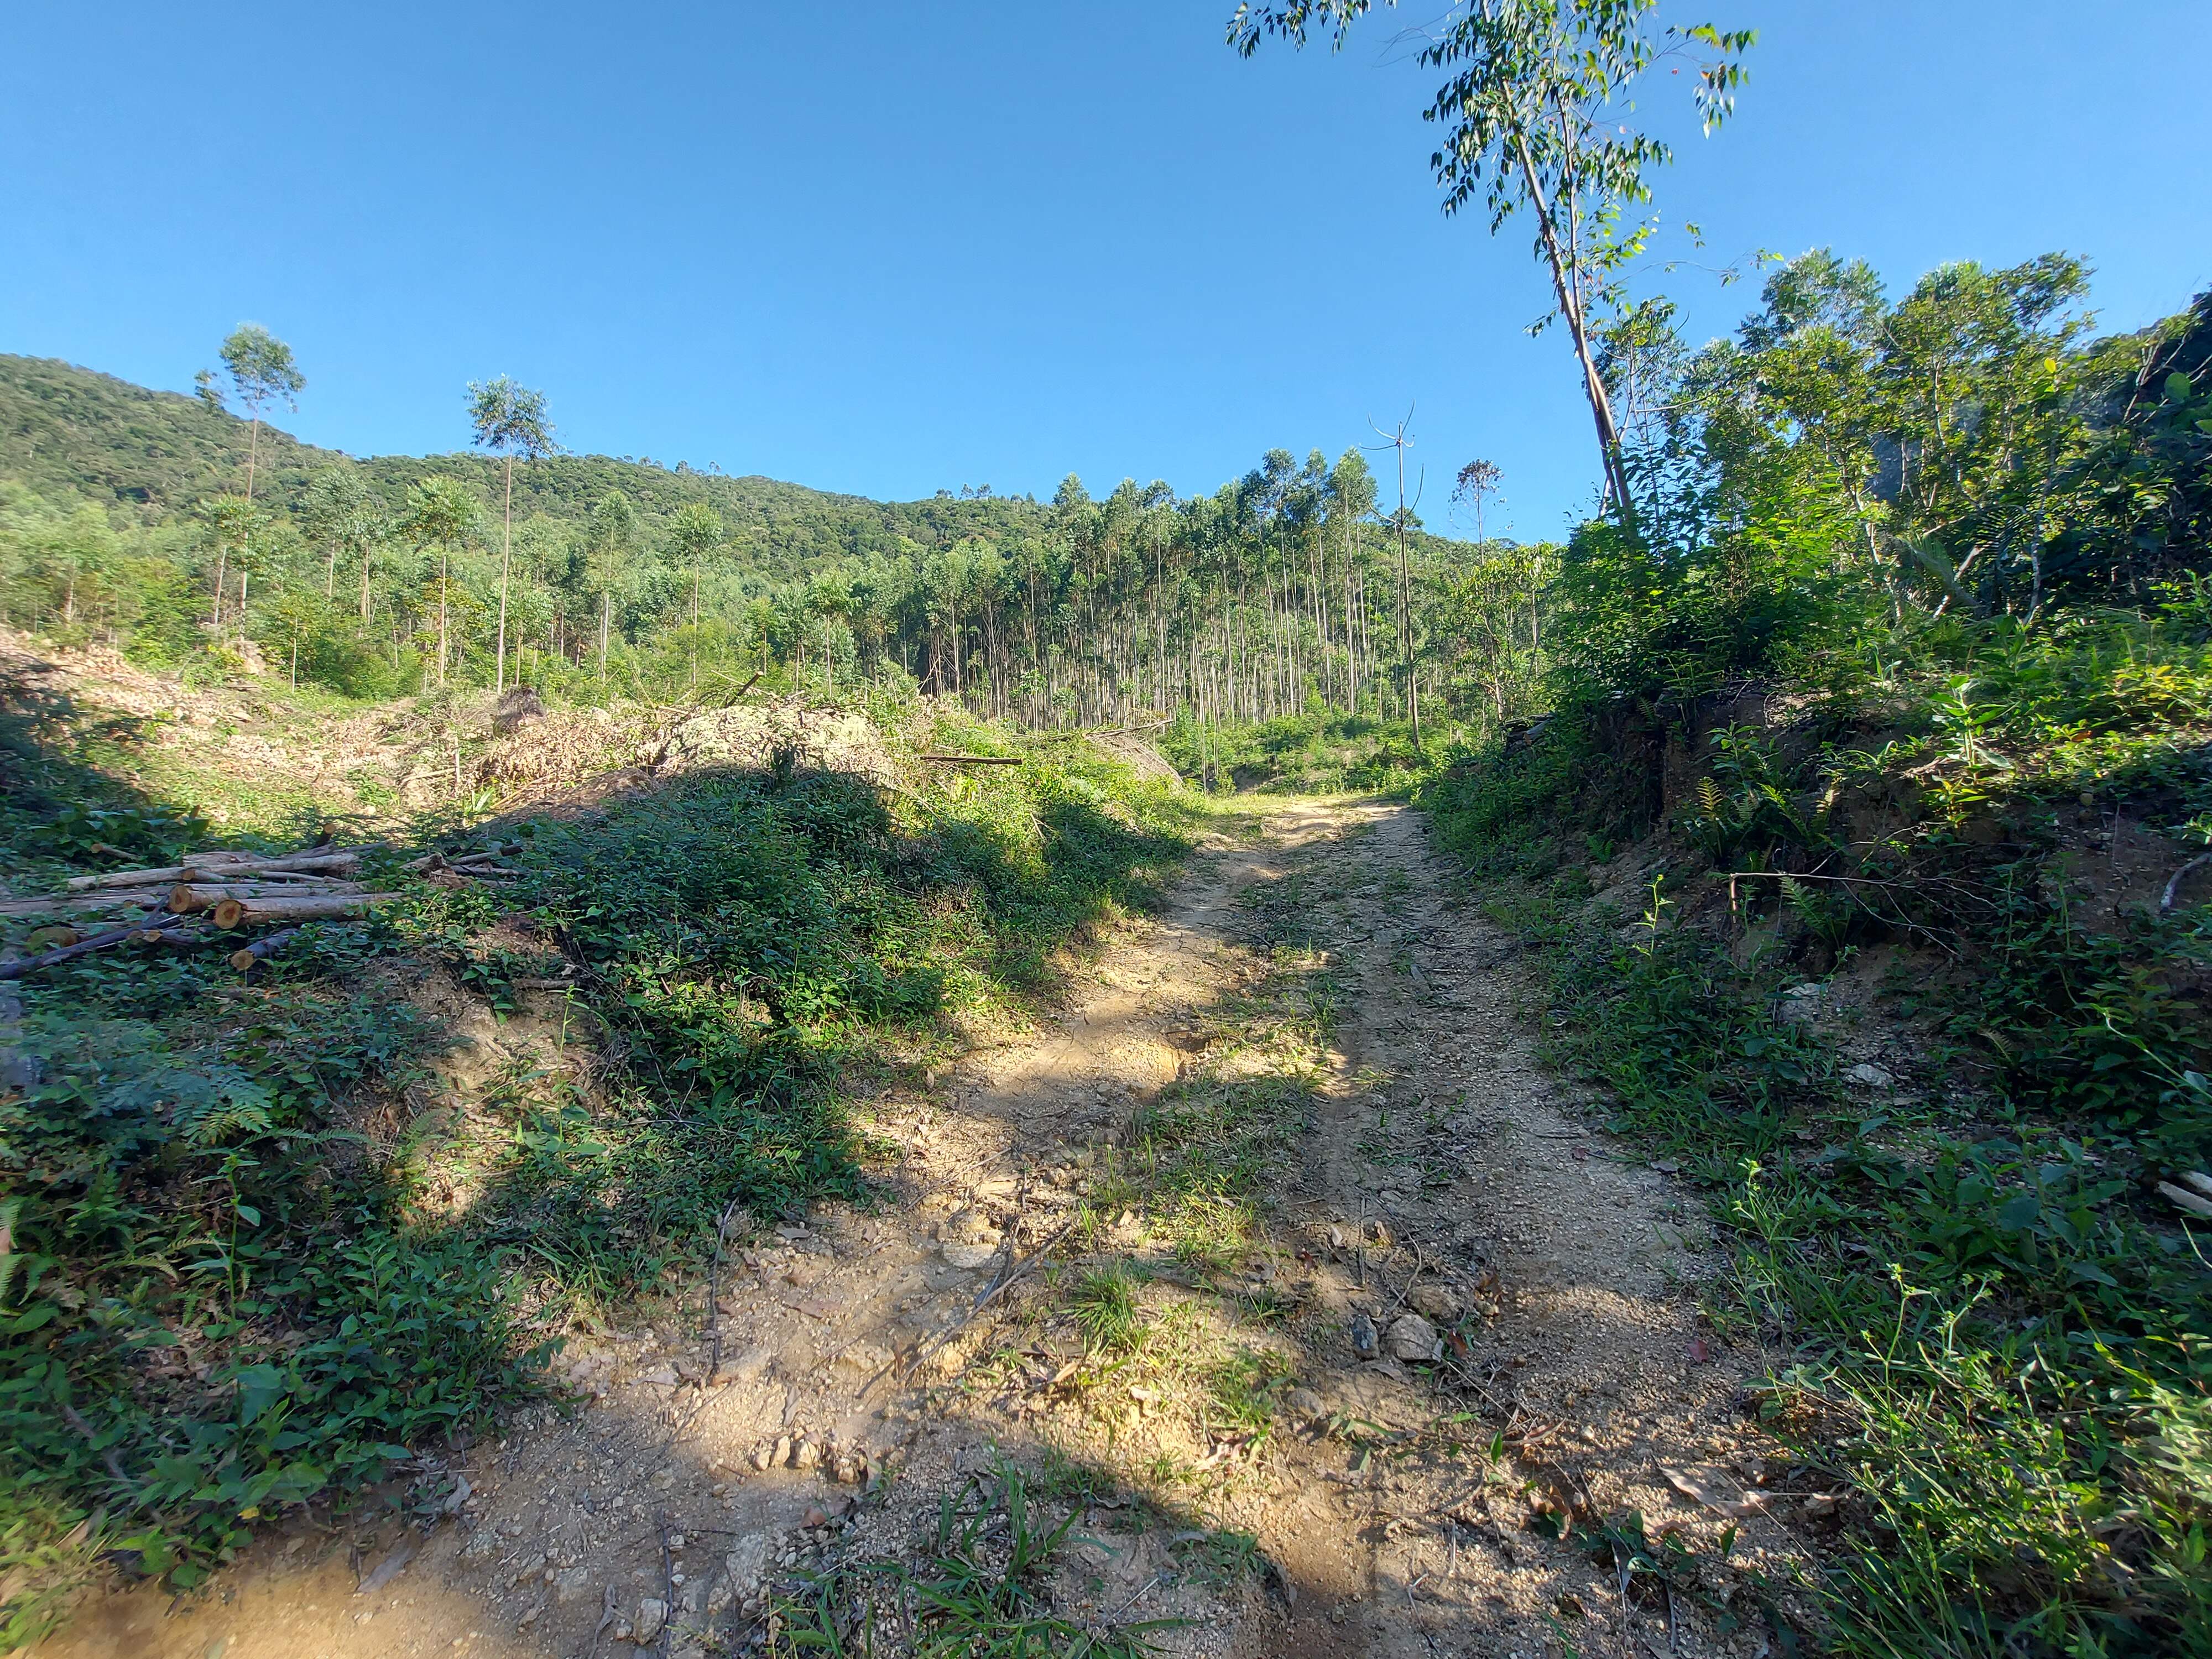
[[891, 248]]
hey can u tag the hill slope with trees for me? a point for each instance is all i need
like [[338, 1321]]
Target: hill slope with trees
[[169, 527]]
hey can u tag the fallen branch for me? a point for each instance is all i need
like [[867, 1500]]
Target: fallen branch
[[2197, 1203], [82, 947], [460, 861], [973, 760], [302, 907], [98, 905], [990, 1294], [2173, 887], [267, 945], [76, 1420]]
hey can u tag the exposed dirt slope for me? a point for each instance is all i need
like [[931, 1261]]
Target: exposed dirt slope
[[1422, 1160]]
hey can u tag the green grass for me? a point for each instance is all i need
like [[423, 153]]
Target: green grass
[[1107, 1311], [240, 1273], [973, 1592]]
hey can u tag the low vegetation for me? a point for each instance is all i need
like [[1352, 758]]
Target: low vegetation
[[978, 1588], [280, 1239]]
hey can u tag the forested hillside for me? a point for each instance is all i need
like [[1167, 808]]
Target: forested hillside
[[133, 520]]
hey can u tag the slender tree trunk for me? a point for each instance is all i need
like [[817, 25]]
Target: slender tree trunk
[[1567, 285], [506, 557], [365, 556], [442, 616], [1405, 608], [606, 605]]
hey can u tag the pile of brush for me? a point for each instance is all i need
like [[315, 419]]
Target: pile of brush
[[173, 903]]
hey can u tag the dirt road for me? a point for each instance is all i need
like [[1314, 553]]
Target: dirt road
[[1276, 1257]]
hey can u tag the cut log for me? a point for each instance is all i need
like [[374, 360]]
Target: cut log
[[293, 906], [84, 904], [170, 935], [82, 947], [267, 945], [190, 898], [302, 881], [127, 878], [220, 866], [303, 860]]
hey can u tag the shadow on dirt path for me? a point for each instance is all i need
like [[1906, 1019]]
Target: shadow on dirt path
[[1276, 1256]]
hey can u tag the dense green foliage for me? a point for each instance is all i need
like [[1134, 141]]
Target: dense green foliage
[[1905, 647], [1280, 593], [257, 1247]]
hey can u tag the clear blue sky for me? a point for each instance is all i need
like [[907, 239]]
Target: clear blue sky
[[889, 248]]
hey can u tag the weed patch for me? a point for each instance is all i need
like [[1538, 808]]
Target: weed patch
[[975, 1589]]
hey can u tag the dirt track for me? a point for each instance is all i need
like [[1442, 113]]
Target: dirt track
[[1436, 1167]]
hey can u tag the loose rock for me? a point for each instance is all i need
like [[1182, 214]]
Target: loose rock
[[1413, 1338]]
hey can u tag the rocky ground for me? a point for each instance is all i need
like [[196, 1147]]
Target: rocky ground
[[1277, 1267]]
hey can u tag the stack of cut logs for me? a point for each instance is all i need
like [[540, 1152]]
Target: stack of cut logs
[[231, 889]]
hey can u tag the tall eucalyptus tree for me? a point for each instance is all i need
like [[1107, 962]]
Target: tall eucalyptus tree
[[1535, 106], [509, 420], [261, 371], [695, 535], [442, 512]]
